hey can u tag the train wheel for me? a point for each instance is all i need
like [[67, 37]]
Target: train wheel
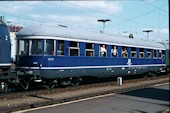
[[145, 75], [153, 74], [4, 87], [150, 74], [50, 84], [76, 81], [25, 82]]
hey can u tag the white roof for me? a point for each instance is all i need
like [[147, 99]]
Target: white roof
[[75, 34]]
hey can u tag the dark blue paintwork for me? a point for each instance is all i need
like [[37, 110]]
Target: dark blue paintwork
[[67, 61], [5, 44]]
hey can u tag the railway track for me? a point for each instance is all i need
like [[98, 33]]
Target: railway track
[[50, 100], [23, 94]]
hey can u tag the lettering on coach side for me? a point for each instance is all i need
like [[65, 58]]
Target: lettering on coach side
[[50, 59]]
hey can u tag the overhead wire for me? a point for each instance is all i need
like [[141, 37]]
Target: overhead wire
[[110, 14], [45, 20], [129, 20], [125, 20], [154, 6], [52, 21], [141, 15]]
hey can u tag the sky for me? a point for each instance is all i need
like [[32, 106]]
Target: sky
[[127, 16]]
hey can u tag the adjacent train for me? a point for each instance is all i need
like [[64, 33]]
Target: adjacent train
[[5, 54], [54, 56]]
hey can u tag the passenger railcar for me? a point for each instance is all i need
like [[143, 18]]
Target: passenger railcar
[[57, 55], [5, 56]]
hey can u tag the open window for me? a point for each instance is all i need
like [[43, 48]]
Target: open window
[[60, 51], [36, 47], [102, 50], [23, 47], [141, 53], [89, 49], [148, 53], [74, 49], [160, 54], [133, 52], [114, 52], [124, 52], [49, 47], [163, 54], [155, 54]]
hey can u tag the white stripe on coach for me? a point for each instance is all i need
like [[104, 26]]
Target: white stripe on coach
[[85, 67]]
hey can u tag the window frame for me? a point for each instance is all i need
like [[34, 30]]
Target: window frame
[[154, 54], [62, 52], [54, 47], [132, 52], [100, 45], [74, 48], [126, 53], [113, 52], [160, 54], [141, 51], [19, 47], [42, 49], [90, 50], [140, 54], [149, 53]]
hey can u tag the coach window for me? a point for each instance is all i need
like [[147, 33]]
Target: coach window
[[36, 47], [141, 53], [74, 49], [163, 54], [160, 54], [103, 50], [155, 56], [148, 53], [133, 52], [23, 47], [114, 52], [49, 47], [89, 49], [60, 50], [124, 52]]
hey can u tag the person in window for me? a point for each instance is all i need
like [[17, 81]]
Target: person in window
[[103, 51], [114, 51], [124, 52], [149, 56], [134, 55], [60, 50]]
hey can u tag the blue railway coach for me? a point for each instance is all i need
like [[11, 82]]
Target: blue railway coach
[[5, 55], [56, 55], [5, 48]]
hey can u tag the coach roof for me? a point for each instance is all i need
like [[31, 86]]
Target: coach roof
[[53, 31]]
